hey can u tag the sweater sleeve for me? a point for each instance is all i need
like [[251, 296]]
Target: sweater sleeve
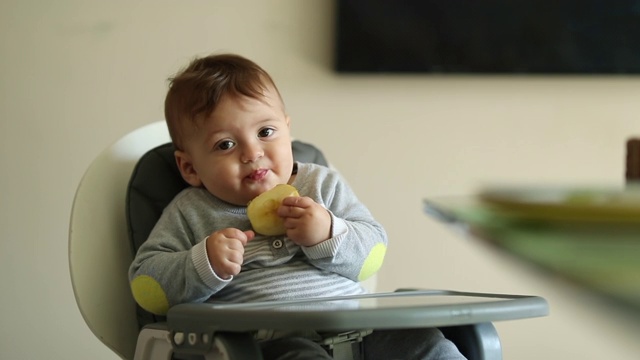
[[358, 244], [172, 267]]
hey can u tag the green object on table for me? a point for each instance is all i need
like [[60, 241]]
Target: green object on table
[[602, 256]]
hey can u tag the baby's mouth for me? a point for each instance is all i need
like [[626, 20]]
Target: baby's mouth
[[258, 175]]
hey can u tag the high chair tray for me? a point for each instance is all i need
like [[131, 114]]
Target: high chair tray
[[401, 309]]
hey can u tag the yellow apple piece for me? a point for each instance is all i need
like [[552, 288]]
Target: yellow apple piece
[[263, 210]]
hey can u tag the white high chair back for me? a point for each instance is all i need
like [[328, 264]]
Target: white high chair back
[[99, 248]]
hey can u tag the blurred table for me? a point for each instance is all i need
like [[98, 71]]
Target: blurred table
[[601, 256]]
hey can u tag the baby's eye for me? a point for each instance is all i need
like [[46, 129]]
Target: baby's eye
[[266, 132], [225, 145]]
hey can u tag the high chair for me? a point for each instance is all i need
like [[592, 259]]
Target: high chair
[[117, 202]]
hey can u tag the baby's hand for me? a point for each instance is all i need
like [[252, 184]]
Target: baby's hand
[[307, 222], [225, 249]]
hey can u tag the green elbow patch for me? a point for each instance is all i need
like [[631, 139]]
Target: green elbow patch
[[149, 295], [373, 262]]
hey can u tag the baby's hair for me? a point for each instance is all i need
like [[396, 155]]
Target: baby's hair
[[195, 92]]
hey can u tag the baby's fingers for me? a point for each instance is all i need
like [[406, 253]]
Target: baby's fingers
[[298, 201], [235, 234]]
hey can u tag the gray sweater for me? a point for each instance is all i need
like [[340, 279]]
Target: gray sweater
[[172, 266]]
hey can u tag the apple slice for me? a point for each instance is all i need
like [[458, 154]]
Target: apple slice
[[262, 210]]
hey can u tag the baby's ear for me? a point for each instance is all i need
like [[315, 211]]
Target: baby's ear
[[185, 165]]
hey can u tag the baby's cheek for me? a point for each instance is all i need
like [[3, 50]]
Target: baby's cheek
[[149, 295], [373, 262]]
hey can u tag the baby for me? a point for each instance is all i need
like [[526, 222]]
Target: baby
[[232, 136]]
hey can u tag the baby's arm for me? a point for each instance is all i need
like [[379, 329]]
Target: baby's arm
[[173, 267], [355, 251], [355, 244]]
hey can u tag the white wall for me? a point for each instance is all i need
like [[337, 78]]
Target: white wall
[[77, 75]]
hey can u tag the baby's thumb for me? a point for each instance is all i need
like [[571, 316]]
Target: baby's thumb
[[250, 235]]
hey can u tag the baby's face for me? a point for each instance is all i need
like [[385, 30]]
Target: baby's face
[[242, 150]]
